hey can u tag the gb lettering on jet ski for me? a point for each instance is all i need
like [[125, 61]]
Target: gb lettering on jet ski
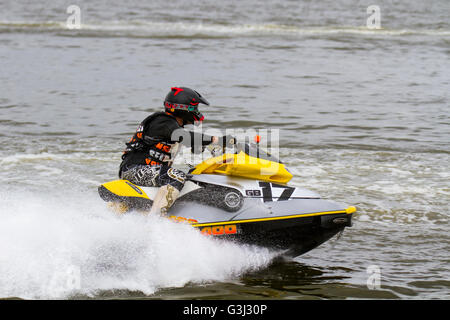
[[253, 193]]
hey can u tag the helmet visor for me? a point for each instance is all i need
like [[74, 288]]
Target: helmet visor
[[189, 113]]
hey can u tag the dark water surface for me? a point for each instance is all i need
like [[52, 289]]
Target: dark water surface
[[362, 114]]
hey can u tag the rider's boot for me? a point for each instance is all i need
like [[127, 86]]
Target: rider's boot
[[164, 199]]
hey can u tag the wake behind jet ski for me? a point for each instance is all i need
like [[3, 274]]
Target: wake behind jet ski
[[243, 196]]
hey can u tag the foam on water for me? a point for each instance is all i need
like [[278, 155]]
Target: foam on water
[[143, 28], [61, 246]]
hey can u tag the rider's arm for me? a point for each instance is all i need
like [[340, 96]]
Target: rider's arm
[[199, 141]]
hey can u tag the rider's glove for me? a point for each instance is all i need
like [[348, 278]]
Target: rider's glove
[[228, 141]]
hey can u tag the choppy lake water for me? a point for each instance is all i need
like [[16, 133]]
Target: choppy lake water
[[363, 117]]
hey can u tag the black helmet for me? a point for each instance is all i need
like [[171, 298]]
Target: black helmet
[[183, 102]]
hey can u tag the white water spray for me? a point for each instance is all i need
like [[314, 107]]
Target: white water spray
[[65, 246]]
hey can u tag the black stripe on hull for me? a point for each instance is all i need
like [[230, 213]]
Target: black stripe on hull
[[295, 236]]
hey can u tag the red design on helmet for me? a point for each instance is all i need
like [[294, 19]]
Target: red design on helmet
[[177, 90]]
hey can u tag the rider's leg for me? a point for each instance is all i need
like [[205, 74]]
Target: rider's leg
[[164, 199], [171, 181], [142, 175]]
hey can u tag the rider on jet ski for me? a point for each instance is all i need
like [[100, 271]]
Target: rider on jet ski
[[148, 157]]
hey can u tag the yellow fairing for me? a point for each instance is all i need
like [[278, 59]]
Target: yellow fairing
[[124, 188], [243, 165]]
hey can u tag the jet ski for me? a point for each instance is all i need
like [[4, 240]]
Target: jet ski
[[244, 196]]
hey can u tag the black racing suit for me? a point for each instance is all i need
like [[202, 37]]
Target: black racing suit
[[147, 159]]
